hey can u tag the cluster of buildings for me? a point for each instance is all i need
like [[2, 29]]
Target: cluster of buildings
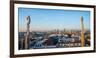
[[53, 39], [39, 40]]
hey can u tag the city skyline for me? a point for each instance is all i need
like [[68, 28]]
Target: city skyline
[[51, 19]]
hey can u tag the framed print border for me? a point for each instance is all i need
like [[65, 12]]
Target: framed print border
[[12, 29]]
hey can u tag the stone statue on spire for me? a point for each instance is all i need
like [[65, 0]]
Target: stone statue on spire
[[28, 20]]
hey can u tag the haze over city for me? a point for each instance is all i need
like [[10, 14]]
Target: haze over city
[[51, 19]]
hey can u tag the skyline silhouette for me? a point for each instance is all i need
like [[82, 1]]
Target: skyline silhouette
[[51, 19]]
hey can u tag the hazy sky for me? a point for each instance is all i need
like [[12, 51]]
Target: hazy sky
[[49, 19]]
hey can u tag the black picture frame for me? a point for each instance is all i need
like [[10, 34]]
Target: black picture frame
[[12, 13]]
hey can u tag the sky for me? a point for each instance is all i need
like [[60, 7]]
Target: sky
[[50, 19]]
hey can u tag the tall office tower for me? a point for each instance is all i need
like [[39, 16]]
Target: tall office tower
[[28, 20], [82, 33]]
